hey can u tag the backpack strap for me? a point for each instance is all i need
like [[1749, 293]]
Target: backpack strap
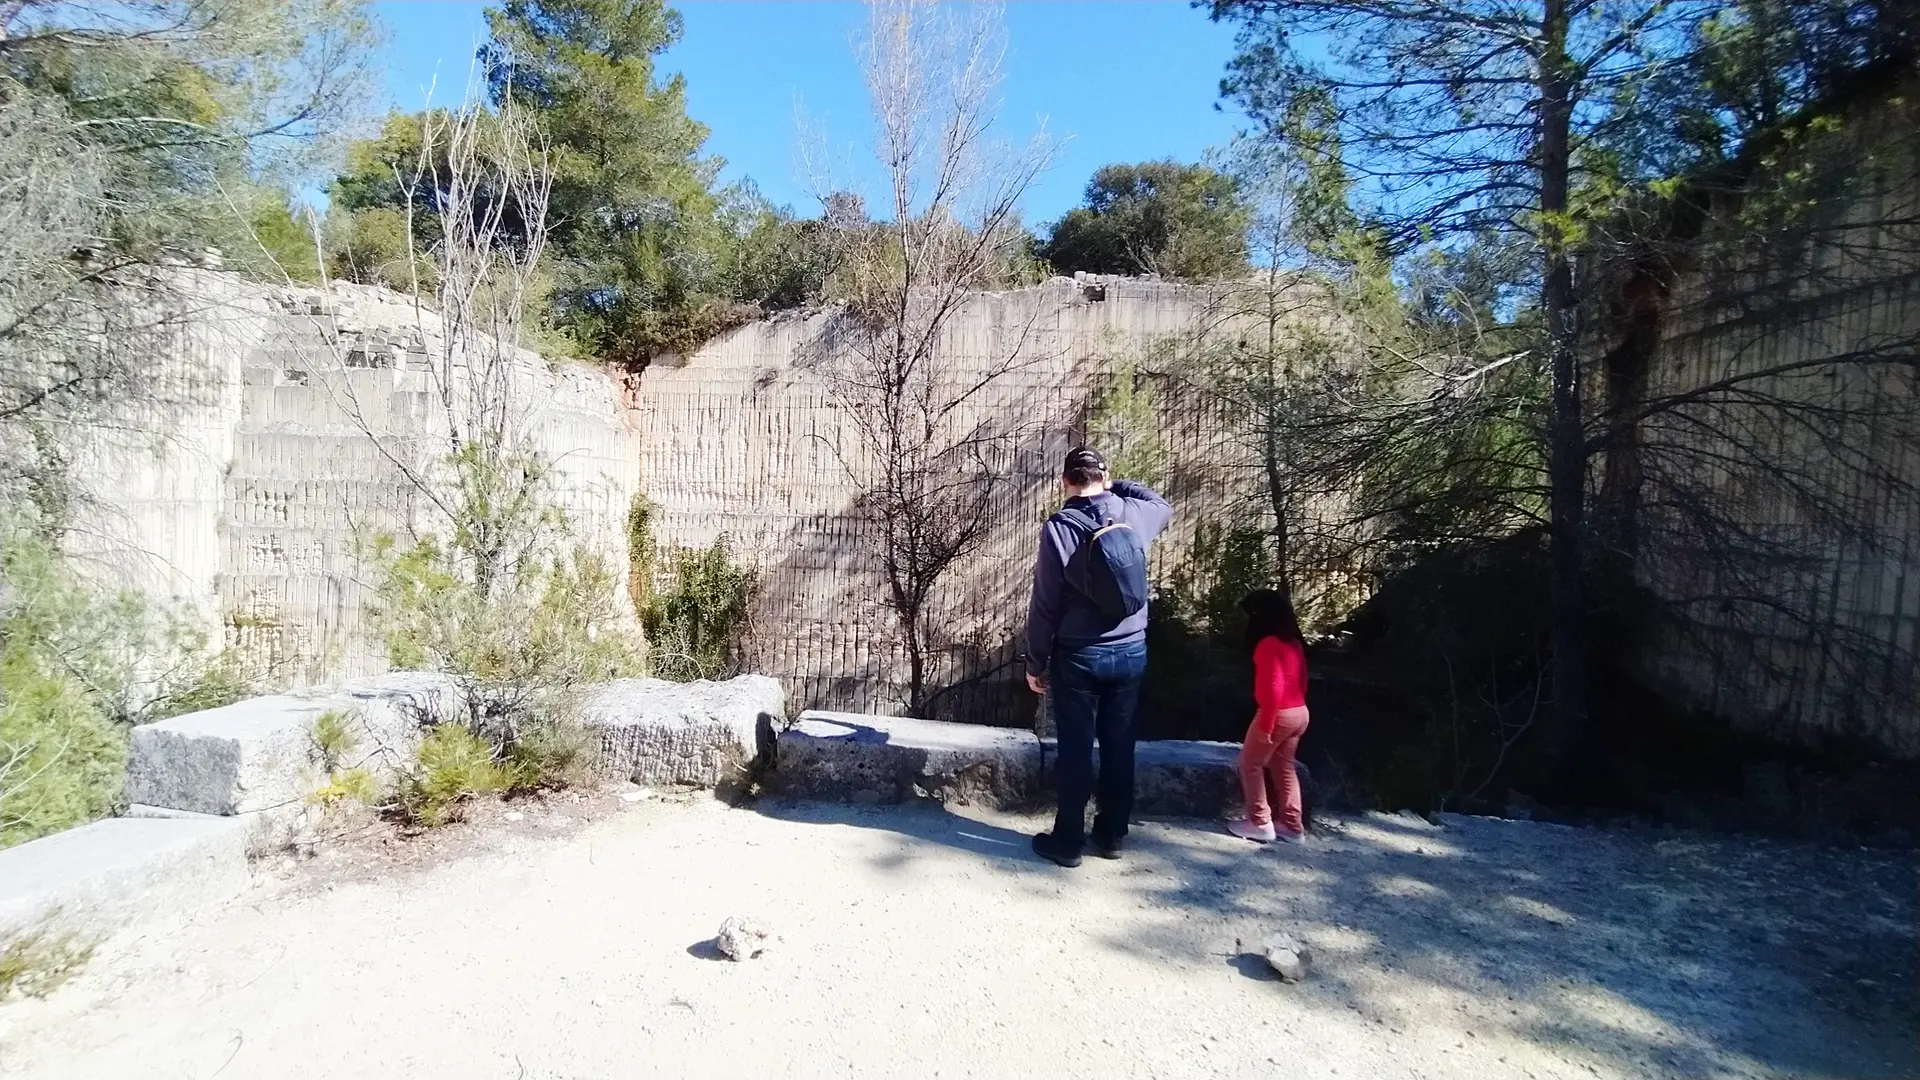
[[1091, 528], [1081, 519]]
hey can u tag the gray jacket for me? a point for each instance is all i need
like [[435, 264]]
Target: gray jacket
[[1058, 616]]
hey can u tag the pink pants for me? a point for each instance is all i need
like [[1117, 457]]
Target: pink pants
[[1265, 752]]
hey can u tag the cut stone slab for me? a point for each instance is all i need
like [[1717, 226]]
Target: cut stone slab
[[1177, 777], [1190, 778], [1186, 778], [256, 757], [120, 874], [854, 757], [700, 734]]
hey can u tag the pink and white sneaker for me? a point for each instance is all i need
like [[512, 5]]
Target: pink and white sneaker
[[1245, 829]]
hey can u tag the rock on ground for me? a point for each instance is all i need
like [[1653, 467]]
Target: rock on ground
[[740, 940], [1289, 959], [921, 942]]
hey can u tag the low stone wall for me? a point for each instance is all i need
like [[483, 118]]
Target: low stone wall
[[209, 789], [255, 760], [879, 759], [122, 873]]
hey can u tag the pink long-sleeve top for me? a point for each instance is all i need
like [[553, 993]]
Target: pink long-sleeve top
[[1279, 676]]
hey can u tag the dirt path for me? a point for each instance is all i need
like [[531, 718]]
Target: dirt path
[[920, 943]]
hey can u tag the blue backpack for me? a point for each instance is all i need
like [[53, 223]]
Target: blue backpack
[[1110, 566]]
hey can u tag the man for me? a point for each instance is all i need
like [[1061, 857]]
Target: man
[[1087, 646]]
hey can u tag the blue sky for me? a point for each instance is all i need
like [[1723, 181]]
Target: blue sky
[[1128, 80]]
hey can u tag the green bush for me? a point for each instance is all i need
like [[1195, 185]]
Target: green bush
[[78, 667], [554, 754], [694, 623], [333, 738], [332, 741], [1126, 426], [524, 620], [455, 765], [355, 785], [63, 757]]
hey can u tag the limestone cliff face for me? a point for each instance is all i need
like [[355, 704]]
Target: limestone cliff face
[[747, 437], [282, 419], [275, 434]]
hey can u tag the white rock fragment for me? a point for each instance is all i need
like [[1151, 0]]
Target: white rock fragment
[[515, 815], [636, 796], [1289, 957], [739, 939]]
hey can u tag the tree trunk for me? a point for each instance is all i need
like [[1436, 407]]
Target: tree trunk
[[916, 667], [1277, 495], [1277, 474], [1566, 467]]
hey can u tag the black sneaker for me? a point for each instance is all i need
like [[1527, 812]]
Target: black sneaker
[[1044, 847], [1108, 849]]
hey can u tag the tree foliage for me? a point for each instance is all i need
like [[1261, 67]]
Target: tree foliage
[[79, 666], [1159, 217], [639, 249], [487, 584], [649, 254], [1518, 163], [131, 135]]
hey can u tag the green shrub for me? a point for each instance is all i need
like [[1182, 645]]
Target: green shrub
[[63, 757], [1126, 426], [454, 766], [1223, 565], [332, 741], [333, 738], [78, 667], [522, 618], [201, 683], [355, 785], [554, 754], [694, 623]]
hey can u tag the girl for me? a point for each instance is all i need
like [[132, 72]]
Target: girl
[[1280, 689]]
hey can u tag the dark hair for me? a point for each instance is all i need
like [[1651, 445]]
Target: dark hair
[[1084, 465], [1270, 614]]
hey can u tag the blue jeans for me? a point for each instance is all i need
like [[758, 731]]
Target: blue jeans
[[1096, 691]]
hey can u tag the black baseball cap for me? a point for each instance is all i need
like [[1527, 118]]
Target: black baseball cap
[[1084, 458]]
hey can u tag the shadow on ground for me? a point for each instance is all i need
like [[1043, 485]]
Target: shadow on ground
[[1648, 952]]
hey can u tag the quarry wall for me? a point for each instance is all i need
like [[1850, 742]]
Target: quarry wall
[[280, 429]]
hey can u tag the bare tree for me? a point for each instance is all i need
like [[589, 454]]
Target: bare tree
[[927, 461], [487, 585]]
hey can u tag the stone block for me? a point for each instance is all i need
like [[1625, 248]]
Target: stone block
[[859, 758], [1186, 779], [121, 873], [257, 756], [1176, 777], [701, 734]]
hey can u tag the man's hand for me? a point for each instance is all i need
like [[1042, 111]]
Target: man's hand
[[1036, 684]]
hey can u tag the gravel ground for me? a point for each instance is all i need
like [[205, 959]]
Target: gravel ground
[[571, 942]]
